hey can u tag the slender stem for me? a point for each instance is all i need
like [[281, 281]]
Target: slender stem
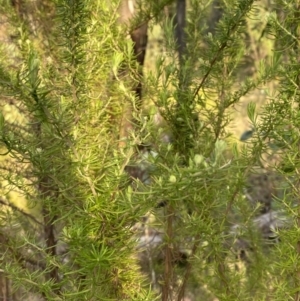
[[168, 267], [188, 270]]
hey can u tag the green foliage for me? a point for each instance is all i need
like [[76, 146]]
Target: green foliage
[[67, 88], [64, 158]]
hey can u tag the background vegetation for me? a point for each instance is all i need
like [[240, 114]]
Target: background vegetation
[[159, 167]]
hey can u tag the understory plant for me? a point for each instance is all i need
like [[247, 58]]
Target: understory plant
[[118, 184]]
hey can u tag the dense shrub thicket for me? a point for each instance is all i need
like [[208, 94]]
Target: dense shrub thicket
[[126, 182]]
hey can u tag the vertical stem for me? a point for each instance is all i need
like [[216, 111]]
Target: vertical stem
[[17, 4], [49, 230], [48, 192], [180, 26], [188, 270], [139, 38], [168, 267], [296, 49]]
